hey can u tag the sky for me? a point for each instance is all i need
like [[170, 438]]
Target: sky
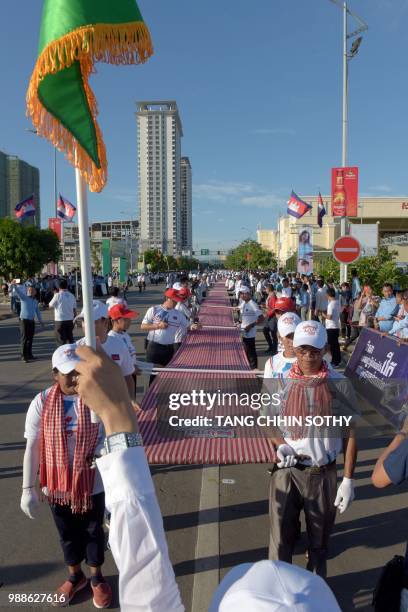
[[259, 90]]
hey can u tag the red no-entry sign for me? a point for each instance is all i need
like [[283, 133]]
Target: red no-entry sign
[[346, 249]]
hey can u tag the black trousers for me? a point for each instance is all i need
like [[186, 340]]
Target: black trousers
[[250, 350], [159, 354], [64, 332], [27, 330], [333, 342], [81, 535], [345, 326], [270, 331]]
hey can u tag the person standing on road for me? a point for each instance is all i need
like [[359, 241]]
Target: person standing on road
[[116, 299], [61, 442], [332, 322], [29, 310], [305, 475], [64, 304], [251, 316]]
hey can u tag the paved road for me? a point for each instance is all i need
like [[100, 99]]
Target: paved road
[[214, 518]]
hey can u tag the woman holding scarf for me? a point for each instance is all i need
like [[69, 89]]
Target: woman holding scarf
[[62, 443]]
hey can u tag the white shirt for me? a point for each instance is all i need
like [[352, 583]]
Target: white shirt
[[173, 317], [321, 299], [64, 304], [259, 287], [333, 309], [118, 352], [33, 428], [250, 312], [286, 292], [126, 339], [115, 300], [231, 284], [182, 331], [136, 535], [278, 366]]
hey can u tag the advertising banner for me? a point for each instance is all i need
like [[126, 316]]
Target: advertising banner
[[305, 251], [367, 235], [345, 192], [378, 370], [55, 224]]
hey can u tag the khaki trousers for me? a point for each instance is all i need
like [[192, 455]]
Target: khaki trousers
[[313, 491]]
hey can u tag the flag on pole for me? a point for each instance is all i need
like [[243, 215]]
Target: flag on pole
[[297, 207], [74, 35], [65, 210], [321, 211], [25, 208]]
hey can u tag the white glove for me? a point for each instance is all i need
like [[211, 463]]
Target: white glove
[[345, 494], [286, 455], [30, 502]]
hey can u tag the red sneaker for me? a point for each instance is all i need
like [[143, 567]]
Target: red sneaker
[[102, 595], [67, 591]]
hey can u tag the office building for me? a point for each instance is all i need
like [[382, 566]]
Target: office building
[[18, 180], [186, 206], [159, 133]]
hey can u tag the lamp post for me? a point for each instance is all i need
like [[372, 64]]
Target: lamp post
[[128, 214], [55, 174], [347, 56]]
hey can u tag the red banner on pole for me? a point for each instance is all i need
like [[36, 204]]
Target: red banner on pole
[[345, 192], [54, 224]]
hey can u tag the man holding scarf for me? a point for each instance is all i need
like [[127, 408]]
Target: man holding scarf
[[62, 443], [306, 476]]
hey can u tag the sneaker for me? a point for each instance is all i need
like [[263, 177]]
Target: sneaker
[[102, 595], [67, 591]]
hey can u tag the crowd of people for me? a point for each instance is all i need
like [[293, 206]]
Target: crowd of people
[[302, 318]]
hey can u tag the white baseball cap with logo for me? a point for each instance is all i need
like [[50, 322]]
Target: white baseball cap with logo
[[100, 311], [65, 359], [310, 333], [273, 586], [287, 323]]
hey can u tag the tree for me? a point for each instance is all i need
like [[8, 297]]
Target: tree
[[25, 250], [250, 254], [96, 256]]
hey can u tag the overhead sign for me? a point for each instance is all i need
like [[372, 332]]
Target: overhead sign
[[346, 249], [205, 251], [345, 192]]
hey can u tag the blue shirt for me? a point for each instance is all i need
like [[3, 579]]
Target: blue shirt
[[398, 326], [29, 305], [355, 287], [396, 464], [388, 308]]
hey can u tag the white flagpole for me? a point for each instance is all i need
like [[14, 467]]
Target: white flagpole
[[86, 270]]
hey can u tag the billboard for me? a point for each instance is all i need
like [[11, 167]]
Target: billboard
[[367, 235], [344, 192], [305, 251], [55, 224]]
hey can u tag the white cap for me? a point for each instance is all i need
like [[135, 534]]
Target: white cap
[[100, 311], [287, 323], [310, 333], [244, 289], [273, 586], [64, 359], [177, 286]]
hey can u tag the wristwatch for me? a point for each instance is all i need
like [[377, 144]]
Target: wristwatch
[[120, 441]]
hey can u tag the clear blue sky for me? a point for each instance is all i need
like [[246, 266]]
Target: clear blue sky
[[258, 85]]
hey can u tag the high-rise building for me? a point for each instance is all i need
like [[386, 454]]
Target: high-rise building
[[18, 180], [186, 206], [159, 132]]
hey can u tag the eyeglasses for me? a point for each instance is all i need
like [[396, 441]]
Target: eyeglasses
[[308, 350]]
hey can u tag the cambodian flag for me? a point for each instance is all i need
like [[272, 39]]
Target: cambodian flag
[[65, 210], [321, 211], [26, 208], [297, 207]]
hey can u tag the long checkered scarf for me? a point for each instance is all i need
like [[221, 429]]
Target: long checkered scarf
[[67, 486], [297, 403]]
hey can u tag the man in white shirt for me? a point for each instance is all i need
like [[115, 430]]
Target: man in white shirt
[[305, 475], [115, 299], [286, 289], [64, 304], [251, 316], [279, 365], [113, 347], [332, 321], [321, 300]]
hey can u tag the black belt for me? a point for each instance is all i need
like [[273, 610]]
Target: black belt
[[315, 469]]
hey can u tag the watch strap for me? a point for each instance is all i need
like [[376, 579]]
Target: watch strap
[[122, 440]]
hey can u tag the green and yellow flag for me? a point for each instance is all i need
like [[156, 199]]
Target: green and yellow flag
[[74, 35]]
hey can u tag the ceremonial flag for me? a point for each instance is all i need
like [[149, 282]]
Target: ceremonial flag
[[65, 210], [25, 209], [297, 207], [74, 35], [321, 211]]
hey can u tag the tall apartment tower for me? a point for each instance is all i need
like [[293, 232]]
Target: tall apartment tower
[[159, 132], [18, 180], [186, 206]]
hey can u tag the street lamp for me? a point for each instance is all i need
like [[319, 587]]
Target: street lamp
[[363, 27], [55, 173], [128, 214]]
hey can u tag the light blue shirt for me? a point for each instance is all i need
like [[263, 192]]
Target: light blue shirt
[[29, 305], [388, 308], [400, 326], [355, 288]]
